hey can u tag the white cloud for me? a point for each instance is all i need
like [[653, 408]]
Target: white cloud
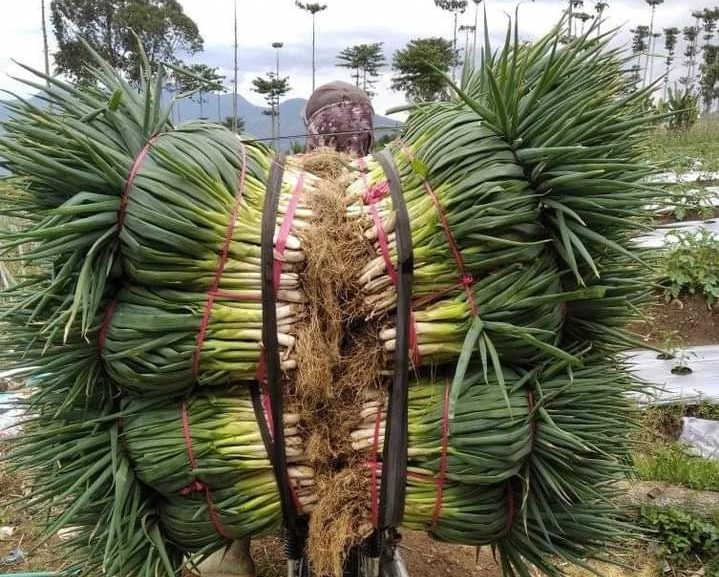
[[345, 22]]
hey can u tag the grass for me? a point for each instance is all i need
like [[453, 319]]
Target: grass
[[659, 457], [680, 150], [671, 464]]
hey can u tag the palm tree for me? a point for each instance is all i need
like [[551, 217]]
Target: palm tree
[[583, 16], [574, 6], [671, 36], [457, 7], [467, 29], [600, 7], [313, 9], [476, 23], [650, 49], [44, 40], [690, 34]]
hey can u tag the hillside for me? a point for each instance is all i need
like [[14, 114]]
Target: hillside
[[257, 124]]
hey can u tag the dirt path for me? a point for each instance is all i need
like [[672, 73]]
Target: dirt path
[[680, 323]]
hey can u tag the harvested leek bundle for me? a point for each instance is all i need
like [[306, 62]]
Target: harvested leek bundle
[[538, 163], [523, 192], [160, 357], [488, 440], [221, 431]]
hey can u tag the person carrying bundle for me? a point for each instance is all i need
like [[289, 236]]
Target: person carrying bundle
[[339, 116]]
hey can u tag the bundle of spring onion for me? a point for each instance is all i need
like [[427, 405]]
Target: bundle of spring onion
[[558, 504], [488, 439], [158, 357], [537, 164], [223, 434], [142, 292]]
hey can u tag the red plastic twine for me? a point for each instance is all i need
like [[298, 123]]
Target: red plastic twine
[[135, 168], [509, 500], [466, 280], [284, 231], [373, 194], [213, 293], [374, 467], [130, 182], [197, 485], [442, 478], [105, 326]]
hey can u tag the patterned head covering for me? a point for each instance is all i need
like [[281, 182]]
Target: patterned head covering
[[339, 116]]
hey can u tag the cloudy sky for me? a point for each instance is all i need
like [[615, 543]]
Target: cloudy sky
[[345, 22]]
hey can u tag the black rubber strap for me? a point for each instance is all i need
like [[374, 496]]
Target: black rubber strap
[[394, 467], [260, 417], [271, 346]]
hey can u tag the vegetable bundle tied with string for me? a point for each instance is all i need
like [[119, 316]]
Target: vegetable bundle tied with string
[[141, 322]]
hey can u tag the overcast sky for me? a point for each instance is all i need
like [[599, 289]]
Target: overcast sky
[[345, 22]]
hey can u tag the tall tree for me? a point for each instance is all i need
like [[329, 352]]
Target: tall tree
[[457, 7], [272, 88], [417, 64], [365, 61], [313, 8], [229, 122], [690, 35], [574, 7], [476, 25], [467, 29], [197, 80], [710, 54], [583, 17], [650, 47], [671, 35], [45, 49], [112, 27], [639, 45], [600, 7]]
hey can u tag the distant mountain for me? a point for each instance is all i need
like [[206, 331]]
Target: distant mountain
[[256, 123]]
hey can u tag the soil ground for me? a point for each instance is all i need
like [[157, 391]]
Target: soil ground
[[680, 323], [425, 557]]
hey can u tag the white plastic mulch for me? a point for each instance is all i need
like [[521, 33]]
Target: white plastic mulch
[[701, 384]]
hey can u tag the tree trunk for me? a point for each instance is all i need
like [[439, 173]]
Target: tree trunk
[[234, 89], [46, 52], [650, 50], [202, 107], [313, 52], [476, 19], [454, 49]]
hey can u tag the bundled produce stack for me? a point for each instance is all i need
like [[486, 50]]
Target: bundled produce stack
[[141, 321]]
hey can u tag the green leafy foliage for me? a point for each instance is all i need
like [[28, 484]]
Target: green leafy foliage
[[271, 87], [365, 62], [682, 538], [690, 200], [682, 150], [671, 464], [112, 29], [691, 265], [196, 81], [684, 106], [420, 66]]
